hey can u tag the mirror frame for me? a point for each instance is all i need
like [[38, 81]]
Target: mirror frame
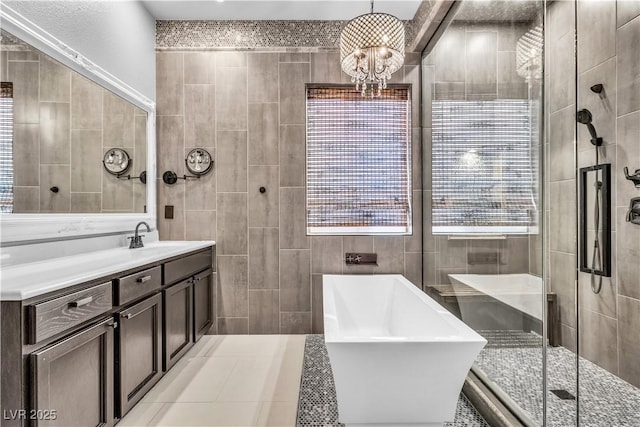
[[18, 229]]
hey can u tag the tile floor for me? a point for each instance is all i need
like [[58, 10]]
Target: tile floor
[[231, 380]]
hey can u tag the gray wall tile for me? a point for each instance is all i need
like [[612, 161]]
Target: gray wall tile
[[598, 340], [264, 134], [86, 156], [295, 280], [199, 116], [58, 176], [327, 255], [628, 245], [231, 98], [628, 51], [197, 66], [562, 145], [628, 154], [317, 318], [200, 225], [54, 133], [292, 79], [413, 268], [169, 83], [26, 199], [626, 11], [295, 323], [25, 78], [598, 43], [55, 81], [562, 282], [602, 108], [628, 322], [170, 143], [233, 325], [264, 207], [231, 59], [390, 250], [26, 154], [264, 311], [263, 69], [562, 226], [86, 202], [86, 104], [292, 156], [118, 122], [481, 62], [233, 287], [232, 224], [293, 227], [171, 229], [232, 161], [325, 67], [264, 264]]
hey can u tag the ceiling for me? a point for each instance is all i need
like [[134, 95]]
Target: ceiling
[[275, 10], [499, 11]]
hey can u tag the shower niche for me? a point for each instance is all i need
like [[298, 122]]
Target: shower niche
[[595, 220]]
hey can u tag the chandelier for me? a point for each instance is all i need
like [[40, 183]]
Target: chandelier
[[371, 49]]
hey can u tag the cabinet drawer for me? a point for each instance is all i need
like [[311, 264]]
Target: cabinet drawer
[[52, 317], [136, 285], [187, 266]]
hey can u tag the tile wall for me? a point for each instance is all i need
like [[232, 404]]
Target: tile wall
[[248, 110], [63, 125], [608, 52]]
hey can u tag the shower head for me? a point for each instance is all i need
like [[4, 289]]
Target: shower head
[[584, 116]]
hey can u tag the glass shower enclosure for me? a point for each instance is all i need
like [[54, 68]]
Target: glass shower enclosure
[[531, 150]]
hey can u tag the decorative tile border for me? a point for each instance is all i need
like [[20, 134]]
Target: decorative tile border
[[173, 34], [318, 407]]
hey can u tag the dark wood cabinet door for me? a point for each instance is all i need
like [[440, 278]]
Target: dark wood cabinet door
[[72, 380], [139, 351], [203, 303], [177, 322]]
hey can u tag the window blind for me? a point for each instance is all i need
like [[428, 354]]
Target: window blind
[[6, 147], [483, 173], [358, 161]]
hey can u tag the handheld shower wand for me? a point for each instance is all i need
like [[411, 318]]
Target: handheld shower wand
[[584, 116]]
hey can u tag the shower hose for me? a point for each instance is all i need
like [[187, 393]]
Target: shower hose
[[596, 261]]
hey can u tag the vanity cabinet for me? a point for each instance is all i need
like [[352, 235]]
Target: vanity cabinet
[[139, 351], [203, 303], [178, 321], [85, 354], [72, 380]]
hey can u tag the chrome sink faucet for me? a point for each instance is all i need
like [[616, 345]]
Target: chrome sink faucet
[[136, 239]]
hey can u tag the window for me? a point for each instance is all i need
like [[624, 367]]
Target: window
[[358, 161], [6, 147], [483, 172]]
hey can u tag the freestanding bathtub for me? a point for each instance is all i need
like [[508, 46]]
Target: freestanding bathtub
[[398, 357]]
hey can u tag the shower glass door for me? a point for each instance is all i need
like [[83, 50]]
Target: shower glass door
[[606, 123]]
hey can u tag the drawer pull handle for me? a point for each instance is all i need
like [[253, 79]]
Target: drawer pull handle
[[143, 279], [81, 302]]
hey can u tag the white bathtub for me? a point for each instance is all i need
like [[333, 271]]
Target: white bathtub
[[520, 291], [398, 357]]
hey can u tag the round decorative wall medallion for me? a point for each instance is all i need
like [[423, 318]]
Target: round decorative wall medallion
[[116, 161], [199, 161]]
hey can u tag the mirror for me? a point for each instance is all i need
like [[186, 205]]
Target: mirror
[[56, 127]]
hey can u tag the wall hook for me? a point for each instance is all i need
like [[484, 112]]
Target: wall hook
[[635, 178], [633, 215], [54, 189]]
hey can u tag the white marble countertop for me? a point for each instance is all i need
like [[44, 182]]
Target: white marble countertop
[[23, 281]]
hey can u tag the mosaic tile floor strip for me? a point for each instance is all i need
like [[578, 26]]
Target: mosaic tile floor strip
[[317, 406]]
